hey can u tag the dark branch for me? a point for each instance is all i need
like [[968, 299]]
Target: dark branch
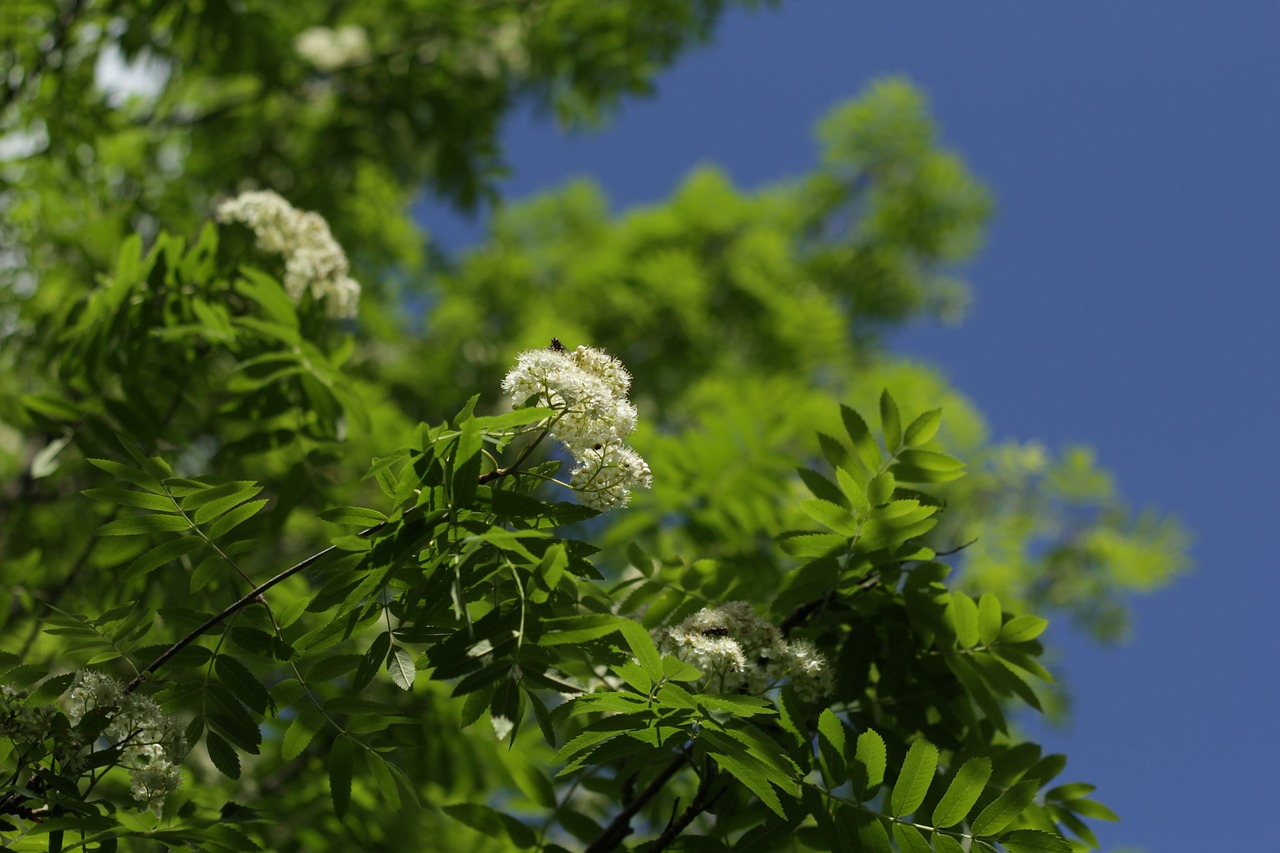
[[620, 827]]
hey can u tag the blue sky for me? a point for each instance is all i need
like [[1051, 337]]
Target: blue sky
[[1127, 298]]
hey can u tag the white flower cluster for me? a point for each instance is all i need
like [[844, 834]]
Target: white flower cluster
[[589, 389], [329, 49], [150, 741], [737, 650], [313, 260]]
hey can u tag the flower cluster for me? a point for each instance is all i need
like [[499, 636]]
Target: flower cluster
[[150, 741], [329, 49], [588, 388], [737, 650], [313, 260]]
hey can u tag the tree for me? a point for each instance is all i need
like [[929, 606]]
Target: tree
[[213, 586]]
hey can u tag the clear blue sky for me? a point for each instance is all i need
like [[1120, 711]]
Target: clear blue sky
[[1127, 298]]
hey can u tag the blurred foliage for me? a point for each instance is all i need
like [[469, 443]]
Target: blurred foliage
[[741, 314]]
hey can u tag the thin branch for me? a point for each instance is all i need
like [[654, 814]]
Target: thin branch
[[702, 801], [620, 827], [250, 597]]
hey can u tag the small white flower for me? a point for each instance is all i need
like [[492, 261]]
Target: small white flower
[[762, 657], [313, 260], [90, 691], [588, 388]]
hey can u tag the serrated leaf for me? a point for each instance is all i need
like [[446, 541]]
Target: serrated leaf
[[1006, 808], [832, 516], [131, 498], [133, 475], [963, 792], [243, 684], [222, 755], [1034, 841], [233, 519], [400, 665], [820, 486], [880, 489], [812, 544], [872, 754], [642, 647], [484, 820], [142, 524], [222, 505], [923, 428], [163, 553], [341, 764], [831, 744], [964, 619], [383, 778], [890, 422], [989, 618], [1021, 629], [864, 445], [909, 839], [298, 735], [917, 773]]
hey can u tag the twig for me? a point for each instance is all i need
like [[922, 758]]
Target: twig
[[620, 827], [701, 802]]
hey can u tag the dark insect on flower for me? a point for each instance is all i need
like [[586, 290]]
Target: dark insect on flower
[[556, 346], [715, 632]]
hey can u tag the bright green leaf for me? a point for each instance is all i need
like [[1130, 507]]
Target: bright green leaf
[[963, 792], [913, 780]]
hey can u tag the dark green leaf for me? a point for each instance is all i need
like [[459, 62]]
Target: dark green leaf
[[128, 497], [1034, 841], [1006, 808], [140, 524], [341, 764], [133, 475], [485, 820], [222, 755], [864, 445], [163, 553], [243, 684]]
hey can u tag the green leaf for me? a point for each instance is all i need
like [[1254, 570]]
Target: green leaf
[[341, 764], [963, 792], [242, 683], [133, 475], [913, 781], [964, 618], [222, 755], [943, 843], [864, 445], [890, 422], [383, 778], [1034, 841], [485, 820], [301, 731], [355, 516], [872, 754], [831, 742], [643, 648], [141, 524], [1021, 629], [923, 428], [1006, 808], [832, 516], [220, 506], [1092, 808], [231, 520], [880, 490], [400, 665], [989, 618], [909, 839], [128, 497], [162, 554]]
